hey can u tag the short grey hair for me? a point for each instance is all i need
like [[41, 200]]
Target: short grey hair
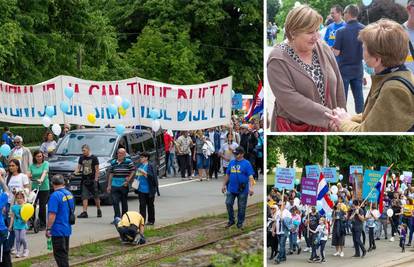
[[18, 138], [86, 146], [58, 179]]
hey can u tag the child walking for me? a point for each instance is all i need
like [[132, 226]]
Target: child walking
[[19, 225], [322, 237]]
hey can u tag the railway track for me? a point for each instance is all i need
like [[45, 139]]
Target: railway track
[[175, 244]]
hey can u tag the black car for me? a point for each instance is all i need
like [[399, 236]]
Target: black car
[[104, 144]]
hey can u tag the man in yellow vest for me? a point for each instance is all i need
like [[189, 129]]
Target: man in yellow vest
[[131, 227]]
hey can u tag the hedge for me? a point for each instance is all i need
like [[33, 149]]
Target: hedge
[[30, 134]]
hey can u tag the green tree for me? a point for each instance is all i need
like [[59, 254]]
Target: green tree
[[272, 9]]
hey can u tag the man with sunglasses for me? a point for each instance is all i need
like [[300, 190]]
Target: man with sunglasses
[[21, 153], [238, 183]]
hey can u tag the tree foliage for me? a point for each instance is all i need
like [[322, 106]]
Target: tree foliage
[[174, 41], [273, 7]]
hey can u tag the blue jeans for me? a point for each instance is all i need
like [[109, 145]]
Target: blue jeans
[[241, 205], [411, 228], [356, 87], [171, 163], [293, 241], [282, 248]]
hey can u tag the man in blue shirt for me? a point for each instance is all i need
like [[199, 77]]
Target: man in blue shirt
[[238, 183], [61, 204], [330, 34], [5, 138], [348, 50], [121, 173]]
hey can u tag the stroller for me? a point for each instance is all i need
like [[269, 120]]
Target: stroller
[[34, 221]]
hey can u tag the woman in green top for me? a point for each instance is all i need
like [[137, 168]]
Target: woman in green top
[[38, 173]]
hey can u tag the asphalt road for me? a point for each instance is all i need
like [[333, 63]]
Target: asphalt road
[[179, 201], [387, 254]]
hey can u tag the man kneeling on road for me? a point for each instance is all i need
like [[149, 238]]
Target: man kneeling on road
[[131, 227], [238, 182]]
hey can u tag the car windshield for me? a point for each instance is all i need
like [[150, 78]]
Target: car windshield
[[100, 145]]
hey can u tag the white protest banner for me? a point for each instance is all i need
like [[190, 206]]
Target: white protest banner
[[182, 107]]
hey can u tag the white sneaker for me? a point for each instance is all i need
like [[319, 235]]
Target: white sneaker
[[13, 251], [342, 254], [336, 253], [392, 239], [18, 254], [25, 253], [306, 249]]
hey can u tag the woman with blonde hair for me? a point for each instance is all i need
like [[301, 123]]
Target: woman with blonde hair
[[390, 103], [304, 76]]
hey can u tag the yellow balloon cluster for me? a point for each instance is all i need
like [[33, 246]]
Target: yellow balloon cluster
[[91, 118], [122, 111], [27, 211]]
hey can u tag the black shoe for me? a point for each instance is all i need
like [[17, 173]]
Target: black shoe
[[317, 258], [409, 244], [363, 253], [240, 226], [377, 238], [374, 248], [386, 238], [299, 250], [323, 260], [356, 256], [228, 225], [150, 223], [311, 260], [290, 252], [99, 212], [277, 261], [370, 249], [84, 214]]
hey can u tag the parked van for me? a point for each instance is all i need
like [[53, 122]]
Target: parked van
[[104, 144]]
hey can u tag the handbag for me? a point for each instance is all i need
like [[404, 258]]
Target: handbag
[[135, 184]]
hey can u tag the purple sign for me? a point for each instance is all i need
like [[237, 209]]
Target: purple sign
[[309, 191]]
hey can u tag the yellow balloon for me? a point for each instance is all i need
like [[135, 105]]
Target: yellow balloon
[[91, 118], [27, 211], [122, 111]]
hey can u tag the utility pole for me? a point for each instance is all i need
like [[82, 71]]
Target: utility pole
[[325, 148]]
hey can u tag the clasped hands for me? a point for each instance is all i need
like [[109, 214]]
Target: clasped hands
[[338, 116]]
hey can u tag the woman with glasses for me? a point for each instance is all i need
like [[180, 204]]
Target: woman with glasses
[[38, 173], [21, 153]]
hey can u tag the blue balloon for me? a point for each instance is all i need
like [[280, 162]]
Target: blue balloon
[[318, 205], [296, 223], [113, 110], [334, 198], [50, 111], [366, 2], [125, 103], [69, 92], [5, 150], [154, 114], [64, 106], [120, 129]]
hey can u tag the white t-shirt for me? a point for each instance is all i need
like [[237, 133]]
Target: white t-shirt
[[227, 151], [323, 231], [17, 183]]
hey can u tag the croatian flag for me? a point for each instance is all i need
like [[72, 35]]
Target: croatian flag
[[380, 187], [258, 103], [323, 196]]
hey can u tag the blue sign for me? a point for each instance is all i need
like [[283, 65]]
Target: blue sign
[[330, 174], [371, 178], [313, 172], [285, 178], [237, 101], [356, 169]]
